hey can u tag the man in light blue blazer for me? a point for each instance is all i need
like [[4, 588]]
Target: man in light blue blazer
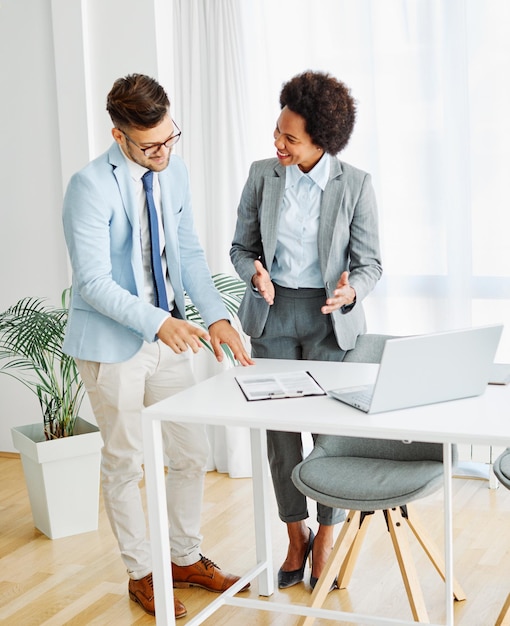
[[307, 245], [129, 230]]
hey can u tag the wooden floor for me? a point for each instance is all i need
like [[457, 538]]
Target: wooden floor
[[80, 580]]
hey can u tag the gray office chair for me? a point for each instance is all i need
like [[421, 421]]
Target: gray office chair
[[368, 475], [501, 468]]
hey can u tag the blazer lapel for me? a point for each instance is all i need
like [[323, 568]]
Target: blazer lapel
[[272, 198], [169, 220], [171, 244], [125, 183], [121, 173], [329, 213]]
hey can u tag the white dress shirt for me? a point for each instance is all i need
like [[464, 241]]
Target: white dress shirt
[[296, 262], [137, 171]]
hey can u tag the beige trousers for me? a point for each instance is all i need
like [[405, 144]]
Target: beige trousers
[[118, 392]]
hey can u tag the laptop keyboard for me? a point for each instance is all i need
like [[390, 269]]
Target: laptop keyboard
[[361, 398]]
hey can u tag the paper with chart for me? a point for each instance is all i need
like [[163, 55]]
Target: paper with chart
[[282, 385]]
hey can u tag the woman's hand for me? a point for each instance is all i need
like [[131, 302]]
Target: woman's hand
[[262, 282], [343, 295]]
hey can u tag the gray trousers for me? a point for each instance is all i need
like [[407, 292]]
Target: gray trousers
[[296, 329]]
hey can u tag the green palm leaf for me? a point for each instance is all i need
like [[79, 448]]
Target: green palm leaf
[[31, 338], [231, 290]]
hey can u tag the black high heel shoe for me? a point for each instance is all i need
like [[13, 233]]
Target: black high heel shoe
[[288, 579], [314, 579]]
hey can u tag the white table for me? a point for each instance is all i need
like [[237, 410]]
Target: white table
[[219, 401]]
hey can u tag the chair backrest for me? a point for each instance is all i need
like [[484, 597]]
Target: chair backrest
[[368, 349], [501, 468], [391, 449]]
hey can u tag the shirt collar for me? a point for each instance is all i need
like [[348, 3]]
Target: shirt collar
[[136, 171], [319, 174]]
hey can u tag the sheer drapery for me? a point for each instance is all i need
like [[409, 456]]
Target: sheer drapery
[[210, 105], [210, 102], [430, 79], [432, 129]]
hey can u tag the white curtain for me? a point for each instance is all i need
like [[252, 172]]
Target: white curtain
[[209, 106], [431, 81], [430, 78], [210, 98]]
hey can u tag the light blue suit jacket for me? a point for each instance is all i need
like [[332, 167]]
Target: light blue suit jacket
[[348, 239], [108, 318]]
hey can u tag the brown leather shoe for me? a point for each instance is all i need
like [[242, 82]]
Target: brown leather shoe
[[142, 591], [205, 574]]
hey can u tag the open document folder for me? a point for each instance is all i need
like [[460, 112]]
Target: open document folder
[[275, 386]]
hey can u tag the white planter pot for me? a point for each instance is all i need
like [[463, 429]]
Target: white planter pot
[[62, 478]]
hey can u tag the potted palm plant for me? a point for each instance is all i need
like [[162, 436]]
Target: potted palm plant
[[55, 460]]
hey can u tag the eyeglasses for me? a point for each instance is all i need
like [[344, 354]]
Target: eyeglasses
[[152, 150]]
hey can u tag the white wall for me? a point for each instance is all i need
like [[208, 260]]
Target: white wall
[[32, 252], [53, 120], [58, 60]]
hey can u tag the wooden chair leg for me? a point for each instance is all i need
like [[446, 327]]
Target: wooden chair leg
[[340, 550], [504, 616], [347, 567], [397, 530], [432, 551]]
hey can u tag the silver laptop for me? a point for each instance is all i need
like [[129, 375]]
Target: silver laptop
[[425, 369]]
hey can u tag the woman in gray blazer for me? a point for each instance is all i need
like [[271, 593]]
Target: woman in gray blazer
[[307, 245]]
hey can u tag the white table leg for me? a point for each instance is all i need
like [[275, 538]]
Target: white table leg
[[448, 532], [154, 464], [261, 509]]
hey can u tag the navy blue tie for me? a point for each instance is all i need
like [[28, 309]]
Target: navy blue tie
[[157, 270]]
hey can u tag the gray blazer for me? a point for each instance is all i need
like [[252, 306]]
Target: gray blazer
[[348, 239]]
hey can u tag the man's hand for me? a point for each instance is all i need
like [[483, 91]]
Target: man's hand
[[181, 335], [343, 295], [262, 282], [222, 332]]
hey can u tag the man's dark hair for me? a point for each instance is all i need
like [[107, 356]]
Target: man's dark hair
[[326, 105], [137, 101]]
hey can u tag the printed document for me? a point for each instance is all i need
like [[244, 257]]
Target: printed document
[[275, 386]]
